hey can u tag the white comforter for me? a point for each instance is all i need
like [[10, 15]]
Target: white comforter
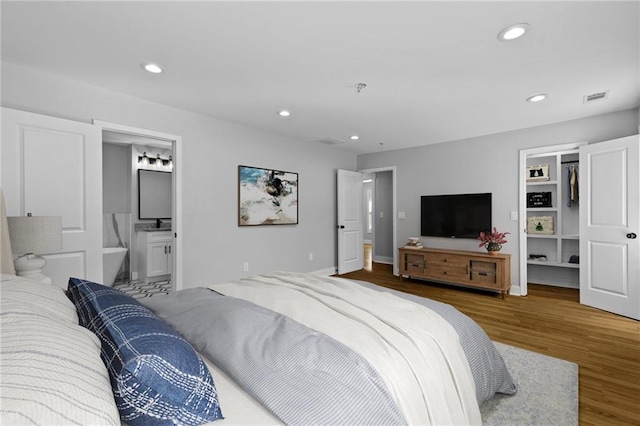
[[416, 352]]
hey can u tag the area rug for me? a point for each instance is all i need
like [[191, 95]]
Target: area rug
[[139, 289], [547, 391]]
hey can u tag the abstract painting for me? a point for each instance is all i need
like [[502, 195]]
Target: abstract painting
[[267, 197]]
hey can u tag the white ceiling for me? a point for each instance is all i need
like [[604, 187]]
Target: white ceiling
[[434, 71]]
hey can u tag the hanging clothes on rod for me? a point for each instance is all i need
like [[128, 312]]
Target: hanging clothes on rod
[[568, 192], [572, 182]]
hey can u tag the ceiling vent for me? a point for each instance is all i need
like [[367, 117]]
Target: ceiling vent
[[595, 97], [332, 141]]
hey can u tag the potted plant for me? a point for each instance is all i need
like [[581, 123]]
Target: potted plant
[[492, 241]]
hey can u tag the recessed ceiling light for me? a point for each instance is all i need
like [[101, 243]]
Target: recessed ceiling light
[[354, 137], [284, 113], [537, 98], [152, 68], [513, 32]]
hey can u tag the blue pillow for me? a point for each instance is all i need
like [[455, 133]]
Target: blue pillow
[[157, 377]]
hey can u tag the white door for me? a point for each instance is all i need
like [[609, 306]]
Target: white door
[[350, 226], [53, 167], [609, 226]]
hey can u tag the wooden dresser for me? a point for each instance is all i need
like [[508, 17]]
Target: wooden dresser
[[468, 268]]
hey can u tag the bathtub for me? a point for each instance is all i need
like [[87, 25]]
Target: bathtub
[[112, 258]]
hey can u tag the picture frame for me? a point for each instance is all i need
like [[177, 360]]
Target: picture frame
[[537, 173], [538, 199], [267, 196]]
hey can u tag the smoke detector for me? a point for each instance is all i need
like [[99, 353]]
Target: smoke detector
[[595, 97]]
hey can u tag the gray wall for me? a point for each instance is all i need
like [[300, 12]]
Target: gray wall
[[483, 164], [366, 186], [214, 247], [383, 245], [116, 178]]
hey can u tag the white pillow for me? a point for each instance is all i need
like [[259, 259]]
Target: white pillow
[[33, 299], [52, 373]]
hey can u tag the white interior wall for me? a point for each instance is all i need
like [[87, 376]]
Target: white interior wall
[[483, 164], [214, 247]]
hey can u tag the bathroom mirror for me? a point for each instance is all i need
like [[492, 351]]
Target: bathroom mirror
[[154, 194]]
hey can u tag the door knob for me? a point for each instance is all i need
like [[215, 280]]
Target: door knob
[[340, 226], [631, 235]]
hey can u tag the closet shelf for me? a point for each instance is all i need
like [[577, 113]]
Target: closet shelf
[[542, 209], [543, 236], [554, 264], [543, 182], [571, 237]]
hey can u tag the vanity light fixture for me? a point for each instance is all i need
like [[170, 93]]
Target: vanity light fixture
[[152, 68], [513, 32], [537, 98], [284, 113], [158, 161], [144, 160], [354, 137]]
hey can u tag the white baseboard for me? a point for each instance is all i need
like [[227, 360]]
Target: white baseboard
[[383, 259]]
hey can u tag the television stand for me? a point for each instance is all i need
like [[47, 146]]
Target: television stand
[[466, 268]]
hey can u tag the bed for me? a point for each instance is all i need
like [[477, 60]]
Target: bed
[[276, 348]]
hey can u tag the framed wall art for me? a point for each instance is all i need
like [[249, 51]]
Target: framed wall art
[[267, 197]]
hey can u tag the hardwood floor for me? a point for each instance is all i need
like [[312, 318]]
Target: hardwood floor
[[551, 321]]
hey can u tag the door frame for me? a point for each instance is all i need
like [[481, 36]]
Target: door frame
[[176, 221], [394, 223], [522, 211]]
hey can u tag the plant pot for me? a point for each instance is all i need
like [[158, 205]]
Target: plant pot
[[493, 248]]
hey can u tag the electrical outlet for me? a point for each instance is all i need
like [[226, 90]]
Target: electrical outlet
[[514, 215], [245, 267], [310, 256]]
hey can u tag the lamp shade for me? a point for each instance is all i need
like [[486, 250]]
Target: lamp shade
[[35, 234]]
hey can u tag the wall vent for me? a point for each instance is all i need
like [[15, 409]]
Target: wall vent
[[595, 97], [332, 141]]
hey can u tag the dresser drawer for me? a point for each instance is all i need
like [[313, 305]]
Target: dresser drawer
[[414, 263]]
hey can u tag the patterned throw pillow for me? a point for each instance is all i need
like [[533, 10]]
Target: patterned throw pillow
[[157, 377]]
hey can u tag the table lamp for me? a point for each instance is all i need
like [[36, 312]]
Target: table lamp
[[30, 235]]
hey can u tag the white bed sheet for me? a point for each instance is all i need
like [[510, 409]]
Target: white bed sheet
[[347, 314]]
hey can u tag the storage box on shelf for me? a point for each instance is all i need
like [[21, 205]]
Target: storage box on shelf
[[467, 268]]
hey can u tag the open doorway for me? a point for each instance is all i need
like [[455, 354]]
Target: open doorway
[[149, 266], [379, 211]]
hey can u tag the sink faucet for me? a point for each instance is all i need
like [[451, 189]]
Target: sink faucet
[[158, 223]]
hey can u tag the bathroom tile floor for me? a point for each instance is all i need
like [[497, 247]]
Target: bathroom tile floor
[[139, 289]]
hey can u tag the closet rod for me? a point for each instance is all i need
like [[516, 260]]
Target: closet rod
[[567, 162]]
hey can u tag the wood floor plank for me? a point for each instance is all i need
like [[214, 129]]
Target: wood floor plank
[[551, 321]]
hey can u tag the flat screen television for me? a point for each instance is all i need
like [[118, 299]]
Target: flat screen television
[[455, 215]]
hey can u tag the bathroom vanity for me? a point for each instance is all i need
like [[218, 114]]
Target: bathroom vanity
[[154, 254]]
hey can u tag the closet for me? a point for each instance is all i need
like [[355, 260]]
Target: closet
[[550, 215]]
